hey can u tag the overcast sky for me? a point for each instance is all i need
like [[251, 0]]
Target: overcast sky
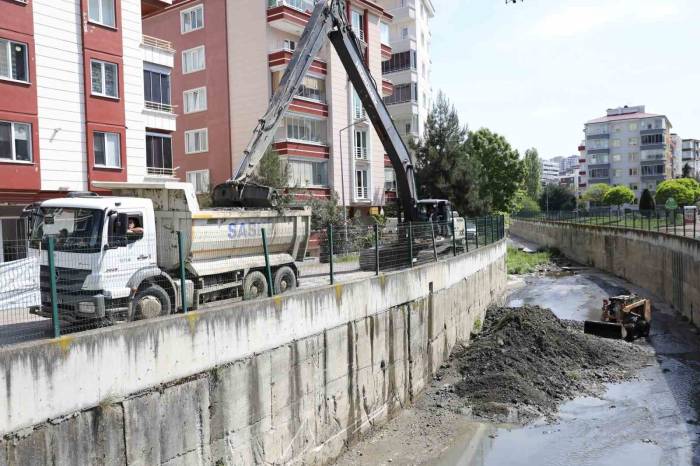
[[537, 70]]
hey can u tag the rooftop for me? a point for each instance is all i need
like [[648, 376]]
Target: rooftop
[[627, 116]]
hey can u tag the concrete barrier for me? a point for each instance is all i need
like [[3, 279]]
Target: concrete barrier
[[664, 264], [287, 379]]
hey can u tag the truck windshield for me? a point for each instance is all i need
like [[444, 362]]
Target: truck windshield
[[74, 229]]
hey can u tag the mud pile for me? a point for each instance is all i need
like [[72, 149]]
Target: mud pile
[[526, 361]]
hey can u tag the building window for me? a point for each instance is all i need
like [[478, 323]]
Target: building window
[[634, 186], [384, 32], [199, 180], [597, 144], [634, 171], [159, 154], [308, 173], [306, 129], [633, 156], [106, 149], [653, 170], [404, 33], [599, 173], [633, 141], [618, 172], [192, 19], [617, 157], [290, 45], [104, 79], [389, 180], [361, 147], [313, 88], [652, 139], [616, 143], [598, 159], [358, 24], [195, 100], [403, 93], [102, 12], [193, 60], [400, 61], [156, 89], [15, 141], [633, 126], [650, 155], [358, 111], [196, 140], [13, 60], [361, 184]]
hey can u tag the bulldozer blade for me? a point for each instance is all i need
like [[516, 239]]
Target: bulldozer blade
[[604, 329]]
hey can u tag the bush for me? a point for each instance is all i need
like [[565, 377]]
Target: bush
[[619, 195], [691, 184], [595, 194], [646, 201], [555, 197], [676, 190]]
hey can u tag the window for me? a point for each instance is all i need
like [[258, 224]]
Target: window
[[193, 60], [650, 155], [159, 154], [400, 61], [199, 180], [634, 186], [633, 156], [403, 93], [15, 141], [616, 143], [361, 184], [192, 19], [102, 12], [358, 24], [306, 129], [13, 61], [634, 171], [597, 144], [195, 100], [599, 173], [389, 180], [106, 149], [653, 170], [384, 32], [617, 157], [595, 129], [598, 159], [313, 88], [361, 148], [617, 128], [633, 126], [652, 139], [104, 78], [618, 172], [358, 111], [404, 33], [633, 141], [304, 173], [656, 123], [156, 88], [290, 45], [196, 140]]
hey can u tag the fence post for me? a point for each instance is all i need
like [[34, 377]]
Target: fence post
[[376, 249], [695, 220], [410, 242], [476, 232], [683, 220], [656, 212], [181, 254], [454, 236], [432, 234], [52, 284], [268, 270], [666, 215], [634, 221], [330, 250], [466, 235]]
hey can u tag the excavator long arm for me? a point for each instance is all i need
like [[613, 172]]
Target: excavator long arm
[[328, 20]]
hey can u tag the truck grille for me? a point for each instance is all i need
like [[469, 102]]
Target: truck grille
[[67, 280]]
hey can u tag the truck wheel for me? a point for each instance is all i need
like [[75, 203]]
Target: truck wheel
[[254, 285], [151, 302], [285, 280]]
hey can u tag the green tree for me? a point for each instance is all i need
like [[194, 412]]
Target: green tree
[[691, 184], [272, 171], [555, 197], [533, 173], [674, 189], [444, 168], [524, 203], [502, 170], [686, 171], [619, 195], [595, 194], [646, 201]]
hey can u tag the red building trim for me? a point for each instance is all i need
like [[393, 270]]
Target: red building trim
[[387, 161], [387, 87], [286, 13], [283, 57], [386, 51], [309, 107], [99, 37], [289, 148], [365, 16]]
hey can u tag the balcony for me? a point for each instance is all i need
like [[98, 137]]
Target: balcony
[[158, 51], [279, 59], [157, 172], [387, 88], [289, 16], [361, 153], [386, 51], [405, 13], [159, 116]]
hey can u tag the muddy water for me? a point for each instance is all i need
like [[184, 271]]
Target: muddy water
[[648, 421]]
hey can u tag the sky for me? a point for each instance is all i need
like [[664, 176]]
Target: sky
[[537, 70]]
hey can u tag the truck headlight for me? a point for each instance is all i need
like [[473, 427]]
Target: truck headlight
[[86, 307]]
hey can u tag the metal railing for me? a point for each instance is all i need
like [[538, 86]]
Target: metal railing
[[301, 5], [51, 290], [157, 43], [159, 107], [680, 222]]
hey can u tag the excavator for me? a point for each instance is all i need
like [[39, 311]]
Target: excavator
[[329, 21]]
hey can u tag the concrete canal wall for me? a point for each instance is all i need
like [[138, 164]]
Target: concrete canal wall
[[287, 379]]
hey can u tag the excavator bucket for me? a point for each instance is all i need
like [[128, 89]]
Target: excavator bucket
[[605, 329]]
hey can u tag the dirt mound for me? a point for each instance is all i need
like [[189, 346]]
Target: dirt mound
[[526, 361]]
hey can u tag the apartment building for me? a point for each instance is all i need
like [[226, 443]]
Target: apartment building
[[567, 164], [550, 172], [231, 57], [409, 68], [628, 147], [690, 156], [72, 105]]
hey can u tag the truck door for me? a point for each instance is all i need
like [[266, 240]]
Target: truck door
[[127, 253]]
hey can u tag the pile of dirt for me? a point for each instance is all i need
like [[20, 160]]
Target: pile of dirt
[[526, 361]]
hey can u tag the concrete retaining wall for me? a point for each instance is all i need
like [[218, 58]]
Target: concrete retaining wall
[[292, 378], [667, 265]]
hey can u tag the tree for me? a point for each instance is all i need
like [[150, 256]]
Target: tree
[[533, 173], [502, 170], [676, 190], [555, 197], [595, 194], [686, 171], [691, 184], [444, 168], [619, 195], [524, 203], [646, 201], [272, 171]]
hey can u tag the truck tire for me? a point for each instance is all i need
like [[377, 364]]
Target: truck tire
[[285, 280], [254, 285], [151, 302]]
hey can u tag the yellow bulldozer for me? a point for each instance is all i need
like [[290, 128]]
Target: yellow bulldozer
[[625, 317]]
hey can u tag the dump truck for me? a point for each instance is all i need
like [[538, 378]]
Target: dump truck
[[625, 317], [118, 257]]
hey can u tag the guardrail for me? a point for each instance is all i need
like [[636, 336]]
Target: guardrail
[[70, 282], [157, 43]]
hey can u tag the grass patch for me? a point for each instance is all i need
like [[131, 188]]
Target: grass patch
[[520, 262]]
